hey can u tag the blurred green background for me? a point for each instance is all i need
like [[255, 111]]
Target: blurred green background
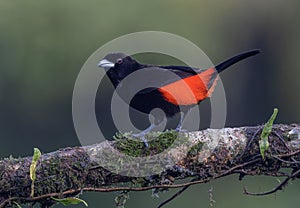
[[43, 45]]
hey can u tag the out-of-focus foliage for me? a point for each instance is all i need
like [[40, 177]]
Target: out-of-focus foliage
[[43, 45]]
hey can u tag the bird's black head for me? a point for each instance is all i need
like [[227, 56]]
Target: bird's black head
[[118, 66]]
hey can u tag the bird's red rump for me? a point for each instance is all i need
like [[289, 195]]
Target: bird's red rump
[[190, 90]]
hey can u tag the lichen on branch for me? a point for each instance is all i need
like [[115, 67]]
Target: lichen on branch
[[200, 156]]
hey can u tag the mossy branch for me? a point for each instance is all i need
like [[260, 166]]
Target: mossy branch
[[70, 171]]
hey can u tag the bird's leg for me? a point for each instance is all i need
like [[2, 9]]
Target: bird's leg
[[152, 126], [179, 126], [183, 115], [142, 134]]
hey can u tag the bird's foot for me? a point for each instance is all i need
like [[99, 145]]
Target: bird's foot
[[142, 137]]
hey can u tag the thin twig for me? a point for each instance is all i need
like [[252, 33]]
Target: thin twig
[[187, 186], [174, 196], [289, 154], [281, 139], [72, 191], [277, 188], [250, 141], [285, 161]]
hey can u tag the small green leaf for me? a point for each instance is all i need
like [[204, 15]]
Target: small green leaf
[[35, 159], [264, 142], [70, 201], [36, 156]]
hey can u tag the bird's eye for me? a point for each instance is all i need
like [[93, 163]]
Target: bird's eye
[[119, 61]]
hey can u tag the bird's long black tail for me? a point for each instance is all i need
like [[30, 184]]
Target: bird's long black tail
[[220, 67]]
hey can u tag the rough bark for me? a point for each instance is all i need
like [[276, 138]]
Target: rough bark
[[197, 155]]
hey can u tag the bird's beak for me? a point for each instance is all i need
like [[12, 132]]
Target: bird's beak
[[106, 64]]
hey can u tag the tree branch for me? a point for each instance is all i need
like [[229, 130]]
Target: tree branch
[[200, 156]]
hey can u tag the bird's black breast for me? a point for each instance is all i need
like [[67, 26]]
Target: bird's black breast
[[146, 102], [134, 91]]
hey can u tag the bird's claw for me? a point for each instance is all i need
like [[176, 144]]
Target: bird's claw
[[143, 138]]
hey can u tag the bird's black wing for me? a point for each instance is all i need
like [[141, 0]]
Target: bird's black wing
[[164, 75], [182, 72]]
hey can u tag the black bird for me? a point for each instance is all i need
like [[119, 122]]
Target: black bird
[[173, 89]]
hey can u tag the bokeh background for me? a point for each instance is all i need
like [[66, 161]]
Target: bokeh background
[[43, 45]]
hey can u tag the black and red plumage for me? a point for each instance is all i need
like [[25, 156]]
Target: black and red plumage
[[174, 94]]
